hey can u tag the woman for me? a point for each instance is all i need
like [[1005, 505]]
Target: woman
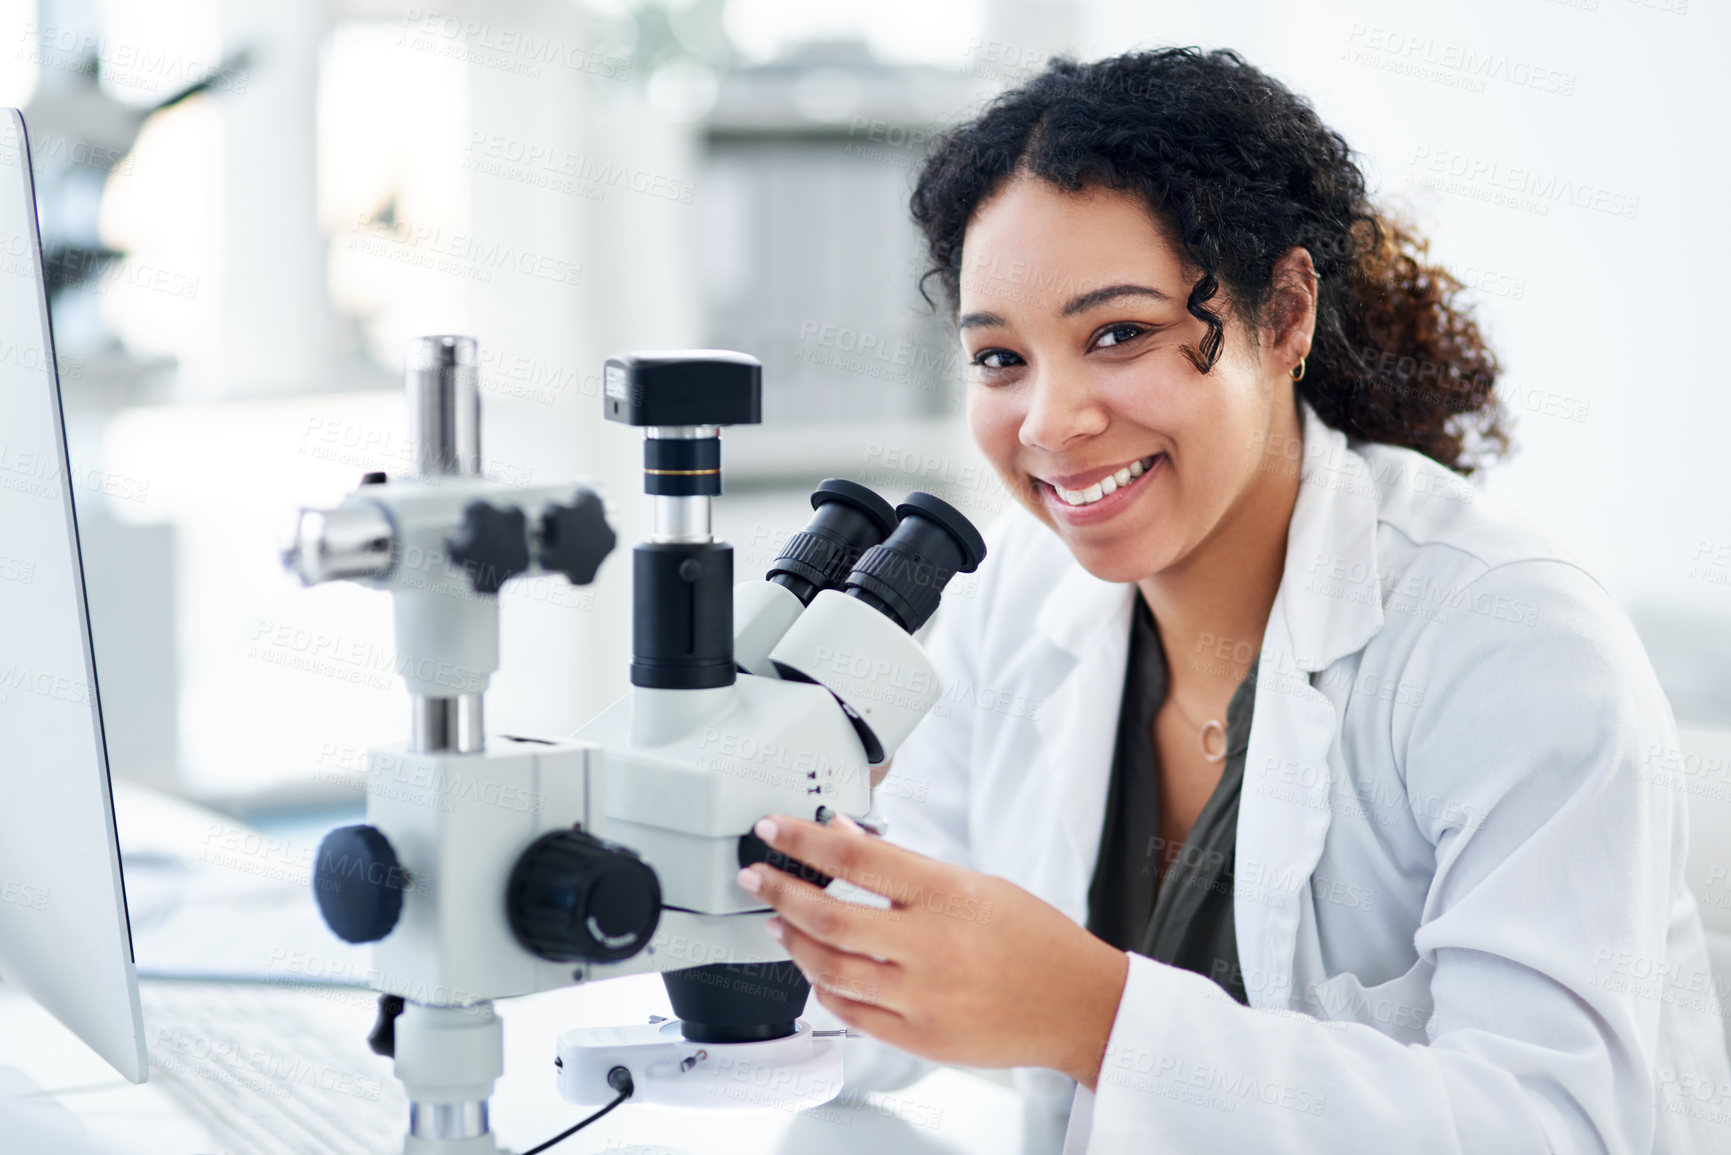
[[1325, 827]]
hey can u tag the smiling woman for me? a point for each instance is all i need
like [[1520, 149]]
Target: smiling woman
[[1332, 828]]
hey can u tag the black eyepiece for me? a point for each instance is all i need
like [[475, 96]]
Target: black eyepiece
[[905, 576], [849, 520]]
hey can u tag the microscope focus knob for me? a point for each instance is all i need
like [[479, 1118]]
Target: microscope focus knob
[[359, 883], [575, 538], [491, 544], [573, 897]]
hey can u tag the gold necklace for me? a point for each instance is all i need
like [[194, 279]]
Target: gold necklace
[[1212, 725]]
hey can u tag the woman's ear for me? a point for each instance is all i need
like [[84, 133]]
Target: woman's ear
[[1292, 312]]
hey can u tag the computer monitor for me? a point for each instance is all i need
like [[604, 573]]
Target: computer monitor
[[64, 936]]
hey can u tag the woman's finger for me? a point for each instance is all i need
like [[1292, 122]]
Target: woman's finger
[[851, 855], [852, 976], [849, 926], [877, 1022]]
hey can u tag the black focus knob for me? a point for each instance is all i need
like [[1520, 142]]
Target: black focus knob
[[359, 883], [383, 1037], [573, 897], [491, 544], [575, 537], [753, 849]]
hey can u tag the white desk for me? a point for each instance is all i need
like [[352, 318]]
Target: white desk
[[948, 1113]]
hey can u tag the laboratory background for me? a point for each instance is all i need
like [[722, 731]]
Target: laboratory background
[[249, 209]]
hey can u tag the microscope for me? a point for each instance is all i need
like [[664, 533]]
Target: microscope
[[499, 866]]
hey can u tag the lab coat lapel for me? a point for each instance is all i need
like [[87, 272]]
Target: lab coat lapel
[[1327, 607], [1086, 621]]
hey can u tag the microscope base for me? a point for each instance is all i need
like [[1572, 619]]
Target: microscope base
[[479, 1145], [802, 1070]]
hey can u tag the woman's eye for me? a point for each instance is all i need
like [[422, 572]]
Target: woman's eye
[[995, 359], [1118, 335]]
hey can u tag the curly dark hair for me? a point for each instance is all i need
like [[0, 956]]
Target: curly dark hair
[[1238, 169]]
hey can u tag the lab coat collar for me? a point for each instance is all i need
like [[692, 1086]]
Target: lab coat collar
[[1330, 581], [1330, 584]]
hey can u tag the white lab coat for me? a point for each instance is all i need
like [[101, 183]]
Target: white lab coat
[[1459, 896]]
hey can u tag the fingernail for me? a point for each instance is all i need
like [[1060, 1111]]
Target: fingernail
[[844, 820], [773, 926], [750, 880], [765, 829]]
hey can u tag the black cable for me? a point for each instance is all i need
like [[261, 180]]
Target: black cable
[[620, 1080]]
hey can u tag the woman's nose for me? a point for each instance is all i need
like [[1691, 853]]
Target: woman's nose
[[1061, 409]]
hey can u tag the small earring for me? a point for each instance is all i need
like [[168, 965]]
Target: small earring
[[1298, 373]]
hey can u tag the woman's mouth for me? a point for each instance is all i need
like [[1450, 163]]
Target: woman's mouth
[[1103, 498]]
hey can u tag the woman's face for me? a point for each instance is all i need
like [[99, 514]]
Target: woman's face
[[1073, 321]]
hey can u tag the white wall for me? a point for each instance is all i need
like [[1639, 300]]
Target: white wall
[[1613, 315]]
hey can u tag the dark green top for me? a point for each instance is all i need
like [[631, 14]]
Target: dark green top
[[1189, 924]]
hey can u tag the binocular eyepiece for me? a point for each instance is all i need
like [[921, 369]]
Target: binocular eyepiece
[[848, 520], [897, 560]]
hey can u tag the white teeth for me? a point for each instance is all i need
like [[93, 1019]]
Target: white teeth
[[1109, 484]]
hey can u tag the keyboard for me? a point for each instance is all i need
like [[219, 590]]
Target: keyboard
[[275, 1069]]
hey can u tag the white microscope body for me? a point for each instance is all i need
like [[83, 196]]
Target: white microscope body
[[500, 866]]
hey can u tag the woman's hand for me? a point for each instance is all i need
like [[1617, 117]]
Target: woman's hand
[[963, 967]]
